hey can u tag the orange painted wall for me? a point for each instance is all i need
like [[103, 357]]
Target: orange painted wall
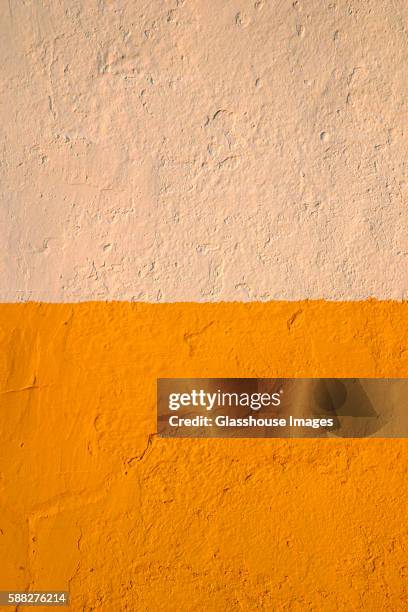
[[93, 501]]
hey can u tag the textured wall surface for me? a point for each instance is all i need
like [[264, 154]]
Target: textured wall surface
[[127, 521], [204, 150]]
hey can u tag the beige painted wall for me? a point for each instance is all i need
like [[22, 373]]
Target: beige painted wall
[[203, 150]]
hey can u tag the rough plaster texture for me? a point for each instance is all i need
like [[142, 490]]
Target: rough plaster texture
[[93, 502], [204, 151]]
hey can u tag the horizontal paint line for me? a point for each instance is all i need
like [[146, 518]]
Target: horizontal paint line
[[306, 300], [34, 298], [308, 338]]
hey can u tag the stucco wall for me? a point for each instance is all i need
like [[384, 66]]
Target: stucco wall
[[202, 151], [129, 521]]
